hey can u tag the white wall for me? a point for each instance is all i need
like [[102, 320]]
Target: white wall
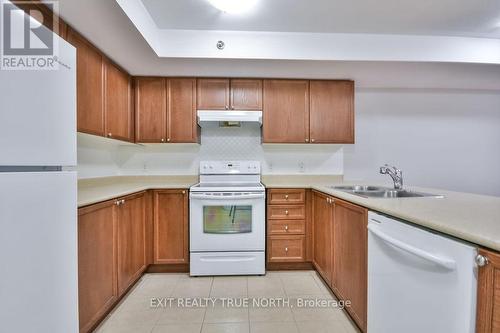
[[96, 156], [446, 139]]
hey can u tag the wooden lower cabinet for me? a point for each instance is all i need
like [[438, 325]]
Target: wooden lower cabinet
[[131, 239], [322, 218], [488, 294], [112, 251], [286, 248], [288, 228], [350, 258], [171, 221], [97, 288]]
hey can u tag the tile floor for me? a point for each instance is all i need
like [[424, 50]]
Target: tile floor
[[135, 314]]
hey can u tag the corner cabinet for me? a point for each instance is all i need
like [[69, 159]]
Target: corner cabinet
[[165, 110], [104, 93], [171, 220], [303, 111], [488, 293]]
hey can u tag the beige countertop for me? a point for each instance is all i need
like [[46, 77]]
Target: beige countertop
[[471, 217], [95, 190]]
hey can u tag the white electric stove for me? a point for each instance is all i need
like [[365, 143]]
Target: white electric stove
[[227, 220]]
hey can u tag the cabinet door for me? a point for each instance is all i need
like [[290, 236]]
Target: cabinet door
[[181, 122], [150, 110], [131, 239], [332, 111], [286, 111], [213, 94], [89, 86], [97, 290], [488, 294], [350, 257], [119, 112], [322, 234], [246, 94], [171, 227]]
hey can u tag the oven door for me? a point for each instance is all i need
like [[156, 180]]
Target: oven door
[[227, 221]]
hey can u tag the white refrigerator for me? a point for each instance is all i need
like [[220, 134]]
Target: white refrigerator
[[38, 198]]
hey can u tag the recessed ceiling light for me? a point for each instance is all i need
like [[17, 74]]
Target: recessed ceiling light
[[233, 6]]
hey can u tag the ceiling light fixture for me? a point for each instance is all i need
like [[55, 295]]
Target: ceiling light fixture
[[233, 6]]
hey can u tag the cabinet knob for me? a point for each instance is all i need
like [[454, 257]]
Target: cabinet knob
[[110, 135], [481, 260], [286, 212], [307, 140], [312, 140], [286, 249], [286, 228], [183, 192], [162, 140], [117, 202], [227, 107], [286, 196], [122, 201], [168, 139], [232, 107]]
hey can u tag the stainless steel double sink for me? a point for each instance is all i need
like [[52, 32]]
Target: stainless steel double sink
[[368, 191]]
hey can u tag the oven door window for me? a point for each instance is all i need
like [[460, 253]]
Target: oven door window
[[235, 219]]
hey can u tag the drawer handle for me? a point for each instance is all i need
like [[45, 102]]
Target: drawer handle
[[286, 196], [286, 228], [286, 249], [286, 212]]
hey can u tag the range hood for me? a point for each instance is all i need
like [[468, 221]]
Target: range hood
[[229, 118]]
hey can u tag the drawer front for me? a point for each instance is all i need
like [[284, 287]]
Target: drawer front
[[286, 227], [287, 212], [286, 196], [286, 248]]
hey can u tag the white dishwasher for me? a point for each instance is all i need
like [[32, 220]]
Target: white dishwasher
[[418, 281]]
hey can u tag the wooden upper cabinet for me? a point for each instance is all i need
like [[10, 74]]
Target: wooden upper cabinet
[[246, 94], [213, 94], [181, 110], [488, 294], [322, 220], [171, 227], [286, 111], [119, 112], [131, 239], [332, 111], [350, 258], [90, 86], [150, 110], [97, 290]]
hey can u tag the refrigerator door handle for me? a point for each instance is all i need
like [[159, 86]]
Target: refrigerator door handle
[[443, 262]]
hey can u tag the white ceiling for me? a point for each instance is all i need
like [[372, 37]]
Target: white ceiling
[[109, 28], [473, 18]]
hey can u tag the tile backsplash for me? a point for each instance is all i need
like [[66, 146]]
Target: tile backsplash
[[217, 143]]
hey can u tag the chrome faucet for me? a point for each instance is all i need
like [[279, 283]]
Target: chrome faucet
[[395, 173]]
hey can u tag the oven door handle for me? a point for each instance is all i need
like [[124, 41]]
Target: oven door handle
[[227, 197]]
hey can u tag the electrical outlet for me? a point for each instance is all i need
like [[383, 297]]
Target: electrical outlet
[[302, 167]]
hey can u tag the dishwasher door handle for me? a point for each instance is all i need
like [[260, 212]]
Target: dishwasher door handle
[[444, 262]]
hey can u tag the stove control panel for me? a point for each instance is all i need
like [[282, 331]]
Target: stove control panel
[[229, 167]]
